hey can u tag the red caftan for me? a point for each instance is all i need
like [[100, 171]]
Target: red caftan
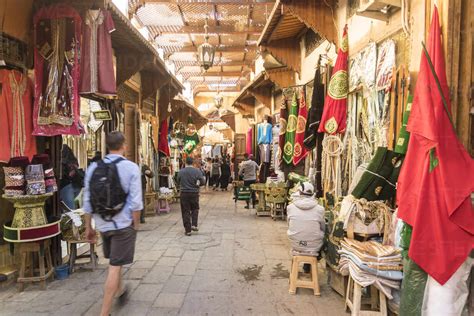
[[97, 69], [16, 120]]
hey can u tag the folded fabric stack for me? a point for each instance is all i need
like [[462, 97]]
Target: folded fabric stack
[[371, 263], [14, 180], [35, 180], [49, 177]]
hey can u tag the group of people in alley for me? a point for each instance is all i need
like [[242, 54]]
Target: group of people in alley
[[113, 198]]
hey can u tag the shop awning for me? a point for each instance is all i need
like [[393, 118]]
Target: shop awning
[[135, 53], [182, 109], [229, 119], [259, 89], [288, 21]]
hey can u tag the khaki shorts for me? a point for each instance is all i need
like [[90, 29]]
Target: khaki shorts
[[119, 245]]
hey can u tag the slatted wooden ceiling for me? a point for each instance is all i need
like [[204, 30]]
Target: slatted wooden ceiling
[[177, 26]]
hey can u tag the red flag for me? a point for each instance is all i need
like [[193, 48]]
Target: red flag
[[163, 145], [437, 176], [300, 151], [335, 106]]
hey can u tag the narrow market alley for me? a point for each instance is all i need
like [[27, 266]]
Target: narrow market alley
[[236, 264]]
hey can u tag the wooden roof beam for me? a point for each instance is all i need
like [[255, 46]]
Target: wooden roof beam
[[224, 49], [201, 2], [218, 29], [220, 74]]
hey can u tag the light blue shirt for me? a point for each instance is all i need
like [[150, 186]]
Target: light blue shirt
[[130, 179]]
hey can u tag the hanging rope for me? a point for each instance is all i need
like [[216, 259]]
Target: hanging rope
[[331, 164]]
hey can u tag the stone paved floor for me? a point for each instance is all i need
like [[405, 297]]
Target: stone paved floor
[[236, 265]]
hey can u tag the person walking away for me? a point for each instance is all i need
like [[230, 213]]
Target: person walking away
[[146, 173], [72, 179], [225, 175], [306, 223], [113, 197], [215, 173], [190, 179], [248, 171], [207, 168]]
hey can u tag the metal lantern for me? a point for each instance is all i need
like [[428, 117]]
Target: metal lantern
[[206, 51], [218, 100]]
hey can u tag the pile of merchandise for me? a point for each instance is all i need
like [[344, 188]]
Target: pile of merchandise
[[25, 178], [371, 263]]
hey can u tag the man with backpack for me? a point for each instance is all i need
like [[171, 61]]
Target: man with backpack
[[113, 196]]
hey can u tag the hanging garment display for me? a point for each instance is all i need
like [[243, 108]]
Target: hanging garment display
[[275, 163], [403, 136], [264, 133], [335, 105], [248, 143], [16, 97], [288, 149], [57, 41], [379, 180], [300, 151], [163, 145], [385, 65], [315, 111], [191, 139], [437, 177], [283, 126], [97, 68]]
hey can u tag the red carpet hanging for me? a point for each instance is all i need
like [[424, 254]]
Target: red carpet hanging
[[335, 106]]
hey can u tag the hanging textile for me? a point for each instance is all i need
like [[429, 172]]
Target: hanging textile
[[275, 163], [335, 106], [403, 136], [288, 149], [57, 33], [264, 133], [163, 145], [437, 177], [300, 151], [315, 111], [283, 125], [248, 144], [97, 68], [191, 139], [16, 108]]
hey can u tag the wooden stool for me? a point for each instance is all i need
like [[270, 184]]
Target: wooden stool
[[27, 253], [354, 292], [296, 282], [163, 205], [73, 255]]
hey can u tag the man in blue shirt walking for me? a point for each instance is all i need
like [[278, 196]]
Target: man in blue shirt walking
[[119, 234]]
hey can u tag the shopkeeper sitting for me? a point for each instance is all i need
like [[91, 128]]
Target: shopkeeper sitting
[[306, 223]]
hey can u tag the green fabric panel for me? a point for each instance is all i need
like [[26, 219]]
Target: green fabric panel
[[288, 149], [404, 136], [414, 279], [11, 234]]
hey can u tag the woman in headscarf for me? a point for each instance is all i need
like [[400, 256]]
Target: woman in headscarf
[[72, 179], [225, 175]]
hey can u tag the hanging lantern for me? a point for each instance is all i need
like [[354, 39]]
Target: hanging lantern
[[206, 51], [218, 100]]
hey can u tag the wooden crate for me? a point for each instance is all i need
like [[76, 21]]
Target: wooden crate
[[150, 203], [337, 281]]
